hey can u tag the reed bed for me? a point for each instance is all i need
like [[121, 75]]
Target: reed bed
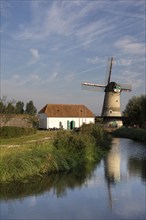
[[67, 151]]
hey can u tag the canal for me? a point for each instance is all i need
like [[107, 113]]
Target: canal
[[115, 188]]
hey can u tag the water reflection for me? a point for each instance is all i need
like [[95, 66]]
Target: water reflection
[[112, 168], [112, 163], [63, 181], [58, 183], [137, 167], [99, 191]]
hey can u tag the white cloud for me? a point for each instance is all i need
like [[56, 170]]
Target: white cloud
[[130, 45], [97, 60], [93, 30], [51, 38], [34, 77], [35, 55], [46, 21], [93, 60], [55, 47], [105, 60], [132, 78], [54, 76], [65, 19], [123, 61]]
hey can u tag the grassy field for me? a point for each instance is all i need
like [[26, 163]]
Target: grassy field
[[40, 136], [45, 152]]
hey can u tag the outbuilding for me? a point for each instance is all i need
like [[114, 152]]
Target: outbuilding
[[65, 116]]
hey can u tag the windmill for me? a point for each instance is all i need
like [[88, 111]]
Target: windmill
[[111, 112]]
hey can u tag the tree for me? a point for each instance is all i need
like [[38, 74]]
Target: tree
[[136, 111], [10, 109], [19, 107], [2, 107], [7, 109], [30, 108], [3, 104]]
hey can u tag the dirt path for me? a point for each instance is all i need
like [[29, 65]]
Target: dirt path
[[19, 145]]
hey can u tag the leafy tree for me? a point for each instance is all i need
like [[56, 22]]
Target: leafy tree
[[30, 108], [19, 107], [3, 103], [2, 107], [7, 109], [136, 111], [10, 109]]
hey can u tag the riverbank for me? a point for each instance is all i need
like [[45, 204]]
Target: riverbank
[[136, 134], [65, 151]]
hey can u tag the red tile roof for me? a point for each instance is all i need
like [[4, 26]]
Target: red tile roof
[[66, 110]]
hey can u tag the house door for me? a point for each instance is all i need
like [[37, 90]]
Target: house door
[[72, 125]]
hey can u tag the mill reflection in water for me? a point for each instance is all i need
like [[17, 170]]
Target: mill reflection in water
[[112, 163], [112, 189]]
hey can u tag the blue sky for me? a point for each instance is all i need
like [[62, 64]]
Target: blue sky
[[49, 47]]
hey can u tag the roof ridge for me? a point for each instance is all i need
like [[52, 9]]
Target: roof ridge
[[66, 104]]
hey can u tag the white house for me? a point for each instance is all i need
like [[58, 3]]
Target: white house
[[64, 116]]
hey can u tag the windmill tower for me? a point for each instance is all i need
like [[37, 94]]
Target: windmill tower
[[111, 112]]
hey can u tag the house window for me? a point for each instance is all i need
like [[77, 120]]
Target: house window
[[60, 125]]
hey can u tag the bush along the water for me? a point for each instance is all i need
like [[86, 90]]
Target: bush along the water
[[137, 134], [12, 132], [69, 150], [87, 145]]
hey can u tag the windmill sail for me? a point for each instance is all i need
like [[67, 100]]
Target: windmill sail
[[110, 71], [126, 87], [93, 87]]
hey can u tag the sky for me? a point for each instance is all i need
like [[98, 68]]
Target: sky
[[48, 48]]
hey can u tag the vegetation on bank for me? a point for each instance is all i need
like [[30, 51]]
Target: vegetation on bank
[[68, 150], [38, 138], [135, 110], [58, 182], [137, 134], [13, 132]]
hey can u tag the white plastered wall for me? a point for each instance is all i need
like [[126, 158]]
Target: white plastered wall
[[55, 122]]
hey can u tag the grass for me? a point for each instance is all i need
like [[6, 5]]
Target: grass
[[137, 134], [27, 140], [66, 151], [10, 132], [23, 162]]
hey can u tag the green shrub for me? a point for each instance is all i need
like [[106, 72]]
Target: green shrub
[[137, 134], [101, 137], [12, 132], [86, 145]]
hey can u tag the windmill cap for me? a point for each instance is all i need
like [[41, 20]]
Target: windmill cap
[[110, 86]]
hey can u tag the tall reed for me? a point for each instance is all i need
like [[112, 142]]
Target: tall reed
[[67, 151]]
